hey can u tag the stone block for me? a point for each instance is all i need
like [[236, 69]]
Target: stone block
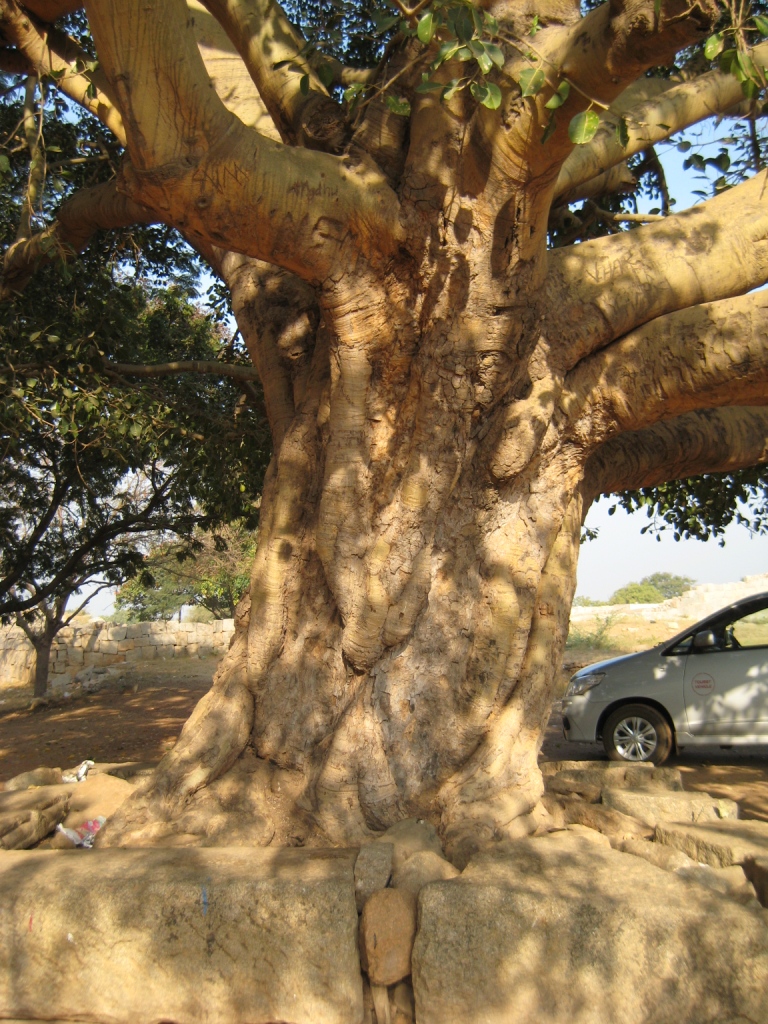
[[422, 868], [220, 936], [718, 843], [652, 808], [373, 868], [116, 633], [387, 933], [565, 931], [666, 857], [76, 656], [136, 629], [408, 837], [139, 653], [125, 645], [612, 823]]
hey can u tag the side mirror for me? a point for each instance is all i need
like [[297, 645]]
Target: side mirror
[[704, 639]]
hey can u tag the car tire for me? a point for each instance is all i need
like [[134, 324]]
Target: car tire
[[637, 733]]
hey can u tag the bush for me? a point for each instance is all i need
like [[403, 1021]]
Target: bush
[[637, 593], [669, 584], [596, 639]]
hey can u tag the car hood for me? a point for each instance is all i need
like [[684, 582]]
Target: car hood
[[603, 666]]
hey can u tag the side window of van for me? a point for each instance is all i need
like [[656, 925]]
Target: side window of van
[[750, 630]]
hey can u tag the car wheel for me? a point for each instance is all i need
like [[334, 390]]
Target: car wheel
[[637, 732]]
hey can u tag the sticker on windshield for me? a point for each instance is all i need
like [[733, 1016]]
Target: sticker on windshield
[[702, 683]]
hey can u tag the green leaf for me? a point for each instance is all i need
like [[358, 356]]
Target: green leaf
[[746, 65], [491, 24], [622, 132], [750, 89], [426, 28], [484, 62], [325, 74], [426, 85], [445, 53], [714, 46], [549, 131], [399, 106], [90, 92], [558, 98], [761, 24], [464, 54], [454, 86], [656, 9], [494, 52], [582, 127], [535, 26], [722, 161], [488, 94], [5, 164], [684, 146], [35, 335], [304, 85], [532, 81]]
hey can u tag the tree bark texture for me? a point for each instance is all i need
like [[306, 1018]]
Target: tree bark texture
[[446, 396]]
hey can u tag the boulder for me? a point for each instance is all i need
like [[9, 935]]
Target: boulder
[[612, 823], [655, 807], [219, 936], [37, 777], [408, 837], [23, 827], [387, 932], [420, 869], [373, 869], [731, 882], [717, 843], [570, 932], [665, 857], [616, 774]]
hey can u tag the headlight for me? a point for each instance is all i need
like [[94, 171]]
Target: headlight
[[580, 684]]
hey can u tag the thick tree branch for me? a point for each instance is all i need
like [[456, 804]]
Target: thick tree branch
[[709, 441], [204, 171], [653, 121], [52, 10], [704, 357], [51, 52], [269, 46], [99, 208], [609, 286], [235, 372]]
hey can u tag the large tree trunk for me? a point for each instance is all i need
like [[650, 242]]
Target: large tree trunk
[[412, 587]]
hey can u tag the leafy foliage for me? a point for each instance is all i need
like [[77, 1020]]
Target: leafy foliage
[[212, 573], [636, 593]]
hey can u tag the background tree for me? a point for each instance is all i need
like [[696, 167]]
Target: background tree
[[449, 381], [92, 465], [211, 573]]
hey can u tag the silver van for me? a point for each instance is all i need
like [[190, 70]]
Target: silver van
[[705, 686]]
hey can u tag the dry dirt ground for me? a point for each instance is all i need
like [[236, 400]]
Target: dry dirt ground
[[137, 715]]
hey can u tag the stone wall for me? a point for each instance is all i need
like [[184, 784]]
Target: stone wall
[[101, 645], [693, 604]]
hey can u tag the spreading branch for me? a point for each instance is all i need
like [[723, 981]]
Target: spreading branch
[[51, 52], [711, 355], [708, 441], [710, 252], [87, 211], [290, 206], [657, 119]]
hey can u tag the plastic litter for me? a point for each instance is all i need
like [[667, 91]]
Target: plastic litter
[[78, 774], [84, 834]]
